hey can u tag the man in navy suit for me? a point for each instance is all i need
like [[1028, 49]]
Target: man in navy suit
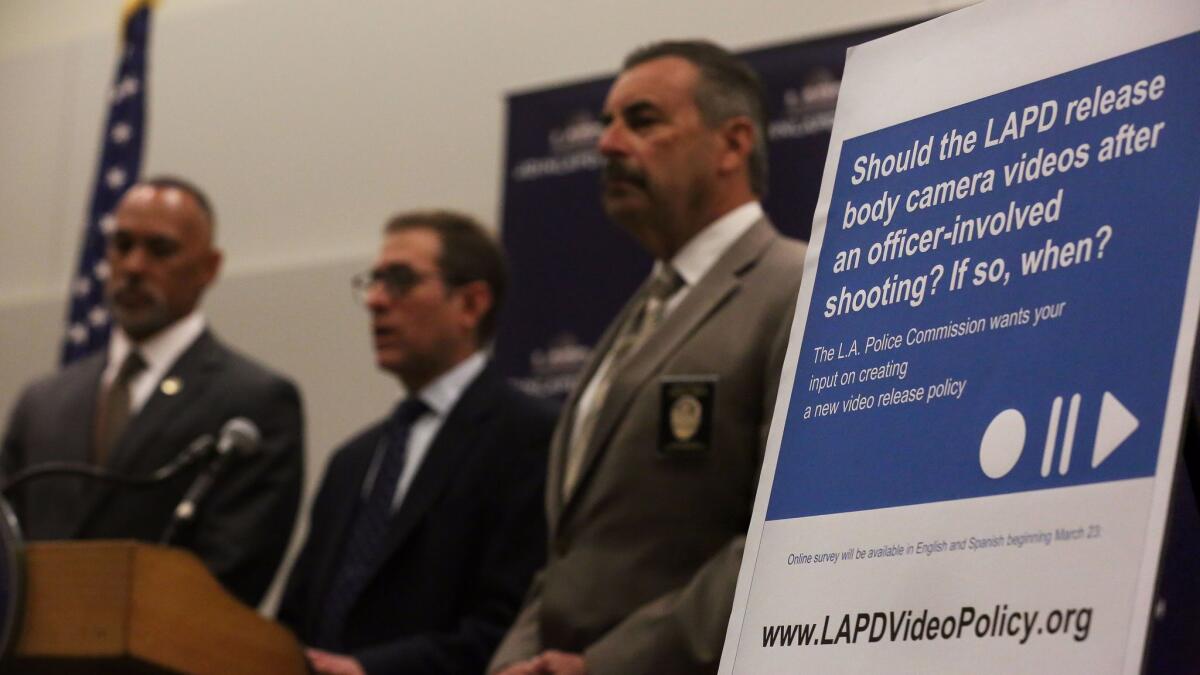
[[164, 380], [429, 524]]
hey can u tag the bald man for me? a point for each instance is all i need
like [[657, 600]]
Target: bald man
[[163, 381]]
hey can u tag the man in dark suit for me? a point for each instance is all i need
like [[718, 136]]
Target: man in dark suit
[[428, 525], [654, 464], [163, 381]]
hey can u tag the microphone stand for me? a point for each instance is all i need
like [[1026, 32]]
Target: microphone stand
[[189, 456], [239, 436]]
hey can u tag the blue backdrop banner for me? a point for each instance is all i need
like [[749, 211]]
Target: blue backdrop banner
[[571, 268]]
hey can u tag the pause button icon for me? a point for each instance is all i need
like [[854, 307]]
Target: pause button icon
[[1064, 459]]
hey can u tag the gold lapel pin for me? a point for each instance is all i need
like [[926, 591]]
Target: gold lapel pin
[[171, 386]]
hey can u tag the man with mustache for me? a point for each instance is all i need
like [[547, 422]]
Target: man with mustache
[[654, 463], [163, 381]]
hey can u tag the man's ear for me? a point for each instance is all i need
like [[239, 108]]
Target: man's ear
[[212, 265], [476, 300], [737, 140]]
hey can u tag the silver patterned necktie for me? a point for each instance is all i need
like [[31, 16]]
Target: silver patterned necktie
[[640, 324]]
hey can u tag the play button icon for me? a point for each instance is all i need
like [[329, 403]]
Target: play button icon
[[1116, 424]]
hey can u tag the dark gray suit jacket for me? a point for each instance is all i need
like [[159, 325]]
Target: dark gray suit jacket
[[240, 531], [644, 553]]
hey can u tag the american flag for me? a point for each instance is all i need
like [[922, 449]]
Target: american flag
[[120, 161]]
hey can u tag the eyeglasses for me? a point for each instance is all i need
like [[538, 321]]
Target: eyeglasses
[[397, 281]]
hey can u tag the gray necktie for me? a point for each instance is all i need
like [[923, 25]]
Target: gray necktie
[[640, 324], [115, 407]]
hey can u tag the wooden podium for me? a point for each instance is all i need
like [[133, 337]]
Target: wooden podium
[[123, 607]]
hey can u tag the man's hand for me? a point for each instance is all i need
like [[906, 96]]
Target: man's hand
[[549, 662], [561, 663], [530, 667], [325, 663]]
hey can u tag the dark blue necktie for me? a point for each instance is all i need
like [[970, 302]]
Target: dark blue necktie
[[366, 540]]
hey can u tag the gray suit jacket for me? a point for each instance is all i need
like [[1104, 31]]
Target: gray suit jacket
[[243, 527], [644, 553]]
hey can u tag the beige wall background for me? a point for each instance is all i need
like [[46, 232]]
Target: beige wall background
[[309, 122]]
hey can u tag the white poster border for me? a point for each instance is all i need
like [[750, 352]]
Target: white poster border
[[895, 69]]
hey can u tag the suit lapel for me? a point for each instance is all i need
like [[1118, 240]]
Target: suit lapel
[[346, 498], [715, 288], [559, 444], [455, 439], [82, 393], [194, 370]]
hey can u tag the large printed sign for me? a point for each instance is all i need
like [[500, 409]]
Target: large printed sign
[[970, 468], [571, 268]]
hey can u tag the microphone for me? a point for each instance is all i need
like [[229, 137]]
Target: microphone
[[190, 455], [239, 437], [239, 434]]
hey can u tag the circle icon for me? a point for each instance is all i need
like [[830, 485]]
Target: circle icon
[[1002, 443]]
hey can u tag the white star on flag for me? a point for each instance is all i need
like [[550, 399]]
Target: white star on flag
[[128, 87], [77, 333], [82, 286], [121, 133], [115, 177], [98, 316], [101, 270], [108, 224]]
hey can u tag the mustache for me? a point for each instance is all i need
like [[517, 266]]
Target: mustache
[[616, 171], [125, 285], [121, 290]]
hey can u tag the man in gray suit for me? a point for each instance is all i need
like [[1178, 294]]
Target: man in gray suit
[[654, 463], [163, 381]]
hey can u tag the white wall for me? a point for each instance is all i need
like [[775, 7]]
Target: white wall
[[309, 123]]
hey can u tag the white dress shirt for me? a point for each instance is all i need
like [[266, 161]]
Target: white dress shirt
[[441, 395], [160, 352]]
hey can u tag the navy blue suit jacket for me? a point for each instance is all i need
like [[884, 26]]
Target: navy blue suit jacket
[[463, 545]]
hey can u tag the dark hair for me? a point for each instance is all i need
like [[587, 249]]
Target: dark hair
[[469, 253], [164, 181], [728, 87]]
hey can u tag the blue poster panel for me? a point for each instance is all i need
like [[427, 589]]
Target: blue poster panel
[[979, 298]]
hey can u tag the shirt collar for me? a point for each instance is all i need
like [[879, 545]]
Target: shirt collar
[[441, 394], [702, 251], [160, 350]]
